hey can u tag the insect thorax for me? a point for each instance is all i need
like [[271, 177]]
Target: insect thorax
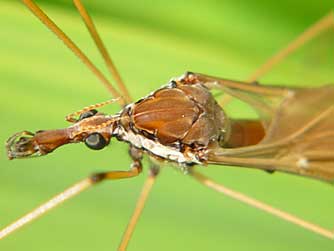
[[177, 123]]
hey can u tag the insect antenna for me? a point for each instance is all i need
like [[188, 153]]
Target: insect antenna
[[38, 12], [71, 117]]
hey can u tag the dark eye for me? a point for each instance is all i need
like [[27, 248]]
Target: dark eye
[[172, 84], [87, 114], [95, 141]]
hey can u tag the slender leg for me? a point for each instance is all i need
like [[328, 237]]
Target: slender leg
[[315, 30], [68, 194], [139, 208], [73, 47], [99, 43], [262, 206]]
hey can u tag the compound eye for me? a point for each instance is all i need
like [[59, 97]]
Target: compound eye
[[95, 141], [88, 114]]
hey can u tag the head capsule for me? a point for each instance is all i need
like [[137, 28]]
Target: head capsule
[[92, 128]]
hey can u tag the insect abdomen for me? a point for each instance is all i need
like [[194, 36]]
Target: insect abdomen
[[245, 133]]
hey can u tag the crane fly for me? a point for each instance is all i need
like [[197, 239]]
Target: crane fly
[[183, 124]]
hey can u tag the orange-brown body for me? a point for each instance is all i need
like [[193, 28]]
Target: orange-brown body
[[186, 114], [181, 121]]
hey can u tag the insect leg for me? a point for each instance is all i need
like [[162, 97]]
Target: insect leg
[[316, 29], [154, 171], [99, 43], [68, 194], [73, 47], [262, 206]]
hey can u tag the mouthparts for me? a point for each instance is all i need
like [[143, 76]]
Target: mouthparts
[[27, 144], [21, 145]]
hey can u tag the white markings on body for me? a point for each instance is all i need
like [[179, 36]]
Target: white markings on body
[[156, 148], [303, 163]]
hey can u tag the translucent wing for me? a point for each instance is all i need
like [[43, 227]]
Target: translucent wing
[[298, 124]]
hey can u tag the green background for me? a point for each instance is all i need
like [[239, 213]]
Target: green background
[[151, 42]]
